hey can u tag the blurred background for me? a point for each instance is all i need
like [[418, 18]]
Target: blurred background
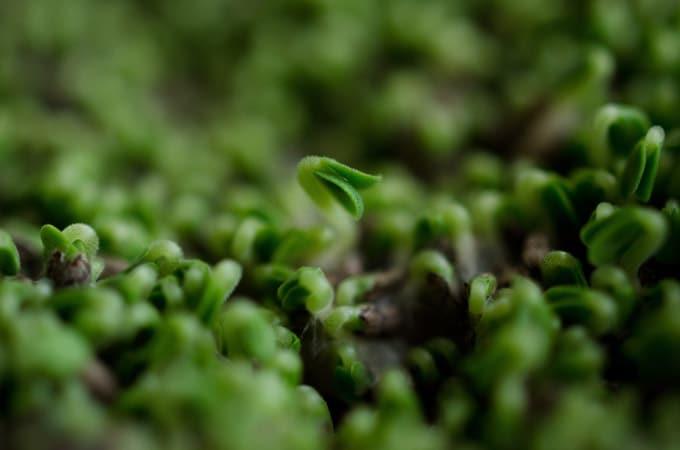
[[148, 109], [185, 119]]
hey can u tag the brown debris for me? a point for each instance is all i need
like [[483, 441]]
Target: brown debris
[[380, 319], [65, 273], [100, 381]]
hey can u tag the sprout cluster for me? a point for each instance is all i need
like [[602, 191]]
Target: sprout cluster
[[483, 252]]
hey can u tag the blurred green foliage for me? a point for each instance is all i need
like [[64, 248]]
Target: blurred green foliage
[[170, 280]]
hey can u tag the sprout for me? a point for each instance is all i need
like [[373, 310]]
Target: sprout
[[70, 254], [351, 378], [268, 277], [135, 285], [9, 256], [640, 170], [352, 289], [452, 221], [557, 203], [288, 364], [482, 288], [616, 131], [166, 255], [74, 238], [595, 310], [221, 282], [577, 355], [343, 318], [422, 366], [286, 339], [306, 288], [243, 332], [591, 187], [253, 240], [617, 284], [431, 262], [627, 236], [315, 406], [327, 181], [560, 267]]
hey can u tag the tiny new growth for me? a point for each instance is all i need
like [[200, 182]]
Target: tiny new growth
[[328, 182]]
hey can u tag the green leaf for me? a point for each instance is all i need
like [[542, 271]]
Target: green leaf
[[595, 310], [653, 144], [641, 166], [626, 236], [253, 240], [632, 173], [617, 129], [244, 332], [9, 256], [166, 255], [591, 187], [222, 281], [559, 268], [357, 178], [83, 237], [307, 287], [344, 193], [615, 282], [53, 239], [481, 289], [327, 181], [557, 203], [342, 318], [433, 262]]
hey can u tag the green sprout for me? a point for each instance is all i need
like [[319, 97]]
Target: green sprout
[[431, 262], [626, 236], [70, 255], [244, 333], [328, 182], [574, 304], [617, 129], [482, 288], [640, 170], [9, 255], [307, 288], [559, 268]]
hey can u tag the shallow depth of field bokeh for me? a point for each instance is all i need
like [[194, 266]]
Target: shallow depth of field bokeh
[[509, 281]]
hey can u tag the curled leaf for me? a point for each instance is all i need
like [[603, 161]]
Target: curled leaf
[[327, 181], [639, 172], [616, 130], [308, 288]]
